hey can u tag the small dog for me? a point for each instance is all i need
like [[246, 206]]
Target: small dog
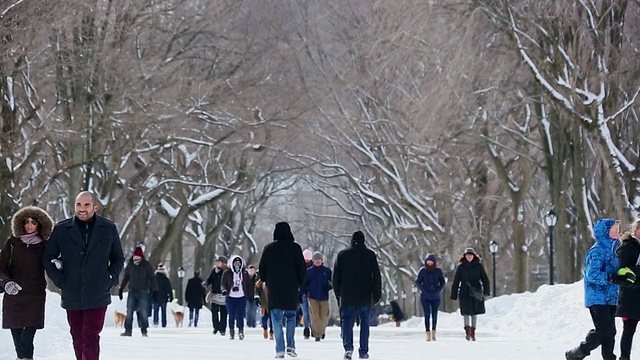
[[178, 316], [119, 318]]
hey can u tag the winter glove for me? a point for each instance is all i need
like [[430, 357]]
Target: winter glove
[[57, 263], [257, 301], [627, 274], [120, 294], [12, 288], [224, 292]]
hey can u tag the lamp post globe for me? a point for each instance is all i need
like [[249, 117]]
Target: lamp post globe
[[551, 219], [493, 249]]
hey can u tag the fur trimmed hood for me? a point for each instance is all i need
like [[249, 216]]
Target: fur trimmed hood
[[34, 212]]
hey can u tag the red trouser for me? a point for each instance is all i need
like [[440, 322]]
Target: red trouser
[[86, 326]]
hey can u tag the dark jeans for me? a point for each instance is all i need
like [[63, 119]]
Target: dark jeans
[[628, 330], [603, 335], [138, 301], [251, 312], [430, 308], [85, 327], [194, 316], [219, 317], [236, 308], [348, 316], [23, 341], [160, 308]]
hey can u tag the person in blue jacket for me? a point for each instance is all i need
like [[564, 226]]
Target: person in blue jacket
[[601, 291], [430, 281], [317, 286]]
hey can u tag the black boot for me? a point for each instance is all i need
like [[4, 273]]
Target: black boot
[[306, 333], [575, 354]]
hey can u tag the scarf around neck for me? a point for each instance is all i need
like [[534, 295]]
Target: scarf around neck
[[31, 239]]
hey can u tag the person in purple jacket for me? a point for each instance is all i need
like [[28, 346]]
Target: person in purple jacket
[[430, 282]]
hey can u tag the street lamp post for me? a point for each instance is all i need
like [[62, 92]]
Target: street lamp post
[[404, 302], [551, 219], [414, 290], [181, 273], [493, 249]]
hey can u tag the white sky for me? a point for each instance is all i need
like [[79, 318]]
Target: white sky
[[540, 325]]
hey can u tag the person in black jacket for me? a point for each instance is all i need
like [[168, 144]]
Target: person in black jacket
[[194, 295], [138, 274], [84, 259], [629, 296], [282, 268], [162, 296], [357, 285], [217, 300], [471, 283]]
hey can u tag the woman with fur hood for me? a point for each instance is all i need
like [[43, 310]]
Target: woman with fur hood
[[236, 284], [471, 283], [430, 281], [22, 277]]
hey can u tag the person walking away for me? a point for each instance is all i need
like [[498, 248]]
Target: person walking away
[[307, 254], [161, 297], [236, 284], [283, 270], [194, 295], [218, 301], [629, 295], [317, 286], [471, 285], [138, 274], [22, 277], [263, 293], [84, 258], [251, 306], [357, 285], [430, 281], [600, 291]]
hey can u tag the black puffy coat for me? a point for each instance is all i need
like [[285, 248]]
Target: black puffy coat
[[89, 270], [356, 277], [165, 291], [470, 276], [629, 296]]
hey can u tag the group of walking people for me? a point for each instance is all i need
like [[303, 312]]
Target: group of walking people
[[610, 268]]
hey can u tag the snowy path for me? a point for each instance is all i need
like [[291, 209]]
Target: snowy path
[[386, 343]]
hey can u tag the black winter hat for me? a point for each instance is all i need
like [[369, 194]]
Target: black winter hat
[[222, 259], [282, 232], [357, 238]]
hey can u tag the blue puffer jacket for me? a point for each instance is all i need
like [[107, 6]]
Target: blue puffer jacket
[[599, 262]]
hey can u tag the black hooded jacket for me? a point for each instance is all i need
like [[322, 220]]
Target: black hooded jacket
[[356, 275], [283, 269], [628, 256]]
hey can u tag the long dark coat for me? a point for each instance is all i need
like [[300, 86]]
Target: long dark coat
[[629, 297], [194, 293], [25, 309], [470, 275], [283, 269], [89, 270]]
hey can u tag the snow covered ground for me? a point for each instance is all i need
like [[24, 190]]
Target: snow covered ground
[[540, 325]]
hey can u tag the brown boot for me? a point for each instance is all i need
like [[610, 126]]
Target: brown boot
[[472, 333], [467, 332], [428, 335], [265, 334], [433, 335]]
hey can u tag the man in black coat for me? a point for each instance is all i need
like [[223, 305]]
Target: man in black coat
[[84, 258], [142, 283], [194, 295], [283, 269], [217, 300], [357, 285]]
